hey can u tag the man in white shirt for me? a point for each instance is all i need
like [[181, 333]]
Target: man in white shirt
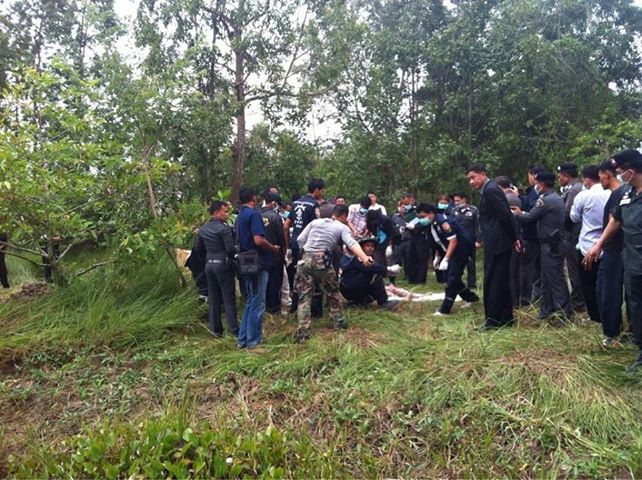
[[588, 208], [375, 206]]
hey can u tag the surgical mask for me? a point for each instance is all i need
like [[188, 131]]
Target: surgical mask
[[407, 208], [363, 211], [620, 177], [284, 215], [442, 206], [424, 221]]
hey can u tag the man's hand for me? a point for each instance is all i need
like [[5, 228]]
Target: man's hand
[[478, 244], [367, 260], [443, 266], [592, 256], [516, 210], [435, 262], [518, 246]]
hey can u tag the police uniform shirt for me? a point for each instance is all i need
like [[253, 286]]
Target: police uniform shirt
[[356, 276], [304, 210], [550, 214], [467, 217], [616, 242], [273, 224], [443, 231], [214, 241], [629, 213]]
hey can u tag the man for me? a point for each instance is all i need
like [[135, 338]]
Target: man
[[588, 209], [499, 237], [215, 242], [627, 217], [4, 275], [550, 214], [513, 201], [383, 229], [274, 265], [468, 218], [304, 210], [374, 205], [251, 237], [457, 248], [401, 245], [362, 284], [530, 265], [357, 217], [340, 200], [315, 269], [610, 273], [570, 186]]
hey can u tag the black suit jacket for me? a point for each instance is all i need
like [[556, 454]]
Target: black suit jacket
[[496, 221]]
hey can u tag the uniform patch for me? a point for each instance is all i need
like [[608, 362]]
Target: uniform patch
[[266, 222], [445, 227], [539, 202]]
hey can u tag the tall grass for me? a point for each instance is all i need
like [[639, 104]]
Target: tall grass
[[399, 394]]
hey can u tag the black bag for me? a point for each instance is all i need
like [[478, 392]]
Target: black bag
[[248, 263]]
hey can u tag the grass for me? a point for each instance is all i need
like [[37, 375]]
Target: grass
[[116, 375]]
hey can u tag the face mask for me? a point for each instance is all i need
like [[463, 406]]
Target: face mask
[[407, 208], [442, 206], [424, 221], [621, 179], [284, 215], [363, 211]]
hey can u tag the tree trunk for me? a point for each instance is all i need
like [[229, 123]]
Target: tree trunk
[[239, 70]]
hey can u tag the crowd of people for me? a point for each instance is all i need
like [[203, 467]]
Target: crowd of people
[[572, 251]]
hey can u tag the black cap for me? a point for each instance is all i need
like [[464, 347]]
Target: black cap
[[272, 197], [569, 168], [628, 159], [368, 239], [545, 177]]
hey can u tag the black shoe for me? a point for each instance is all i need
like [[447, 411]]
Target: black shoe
[[485, 327], [241, 346], [391, 305]]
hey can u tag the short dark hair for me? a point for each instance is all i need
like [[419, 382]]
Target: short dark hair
[[503, 181], [365, 202], [592, 172], [246, 194], [340, 210], [477, 168], [372, 215], [216, 206], [426, 208], [314, 184], [443, 196], [460, 195], [338, 197], [407, 195], [371, 192], [535, 169], [607, 166], [547, 178]]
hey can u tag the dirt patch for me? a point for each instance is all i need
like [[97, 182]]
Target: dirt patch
[[29, 291]]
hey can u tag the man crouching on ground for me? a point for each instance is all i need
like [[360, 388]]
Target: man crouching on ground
[[318, 240]]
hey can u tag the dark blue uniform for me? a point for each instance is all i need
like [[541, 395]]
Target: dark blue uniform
[[443, 231], [361, 284]]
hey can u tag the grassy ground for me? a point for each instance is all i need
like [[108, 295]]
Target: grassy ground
[[116, 375]]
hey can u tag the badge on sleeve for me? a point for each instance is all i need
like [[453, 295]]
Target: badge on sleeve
[[445, 227], [539, 202]]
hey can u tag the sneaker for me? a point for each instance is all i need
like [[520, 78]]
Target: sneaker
[[635, 367], [202, 298], [391, 305], [256, 349], [241, 346], [609, 342], [466, 304], [438, 314]]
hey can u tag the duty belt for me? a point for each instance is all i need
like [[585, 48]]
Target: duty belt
[[215, 260]]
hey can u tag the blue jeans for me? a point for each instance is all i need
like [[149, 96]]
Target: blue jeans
[[610, 284], [252, 320]]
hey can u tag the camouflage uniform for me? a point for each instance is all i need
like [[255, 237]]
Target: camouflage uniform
[[314, 272]]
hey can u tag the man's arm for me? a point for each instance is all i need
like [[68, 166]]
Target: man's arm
[[303, 236], [499, 205], [594, 252], [576, 208]]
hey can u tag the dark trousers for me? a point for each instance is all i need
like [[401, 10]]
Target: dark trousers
[[471, 268], [555, 296], [221, 291], [633, 287], [573, 266], [498, 306], [416, 261], [529, 272], [455, 285], [4, 275], [610, 282], [514, 276], [273, 291], [589, 288], [366, 294]]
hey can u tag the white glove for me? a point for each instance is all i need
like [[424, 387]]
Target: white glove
[[389, 251], [435, 262], [394, 269], [443, 266]]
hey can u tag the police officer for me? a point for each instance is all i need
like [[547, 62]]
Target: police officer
[[457, 247], [274, 233], [304, 210], [468, 219], [550, 214], [315, 267], [363, 284], [383, 229], [570, 186], [418, 253], [215, 240], [627, 217]]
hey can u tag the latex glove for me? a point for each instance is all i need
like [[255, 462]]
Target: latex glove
[[443, 266], [394, 269], [288, 257], [435, 262], [389, 251]]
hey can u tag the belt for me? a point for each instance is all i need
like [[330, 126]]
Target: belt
[[215, 260], [314, 253]]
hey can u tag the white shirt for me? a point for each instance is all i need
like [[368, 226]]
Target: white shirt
[[378, 206], [588, 208]]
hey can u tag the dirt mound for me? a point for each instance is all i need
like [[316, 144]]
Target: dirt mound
[[29, 291]]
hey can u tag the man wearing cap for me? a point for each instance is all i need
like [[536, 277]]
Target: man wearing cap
[[627, 217], [362, 284], [550, 214], [588, 210], [570, 186], [315, 267], [274, 233]]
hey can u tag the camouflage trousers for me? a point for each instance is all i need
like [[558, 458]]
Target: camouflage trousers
[[312, 273]]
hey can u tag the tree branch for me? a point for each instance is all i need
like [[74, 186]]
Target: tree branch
[[94, 266]]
